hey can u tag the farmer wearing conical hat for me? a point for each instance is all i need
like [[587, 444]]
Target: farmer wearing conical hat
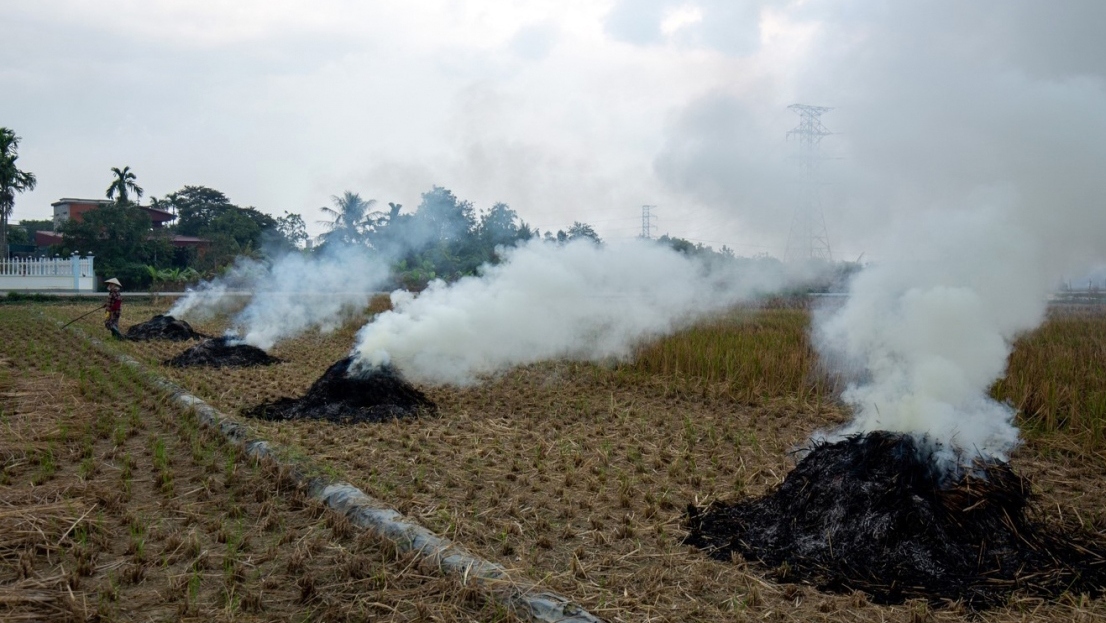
[[114, 307]]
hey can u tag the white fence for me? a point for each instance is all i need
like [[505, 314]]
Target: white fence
[[60, 273]]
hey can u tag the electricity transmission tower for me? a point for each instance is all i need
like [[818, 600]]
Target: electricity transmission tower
[[807, 239], [647, 222]]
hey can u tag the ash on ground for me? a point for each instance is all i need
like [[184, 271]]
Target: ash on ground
[[874, 513], [222, 352], [163, 327], [372, 396]]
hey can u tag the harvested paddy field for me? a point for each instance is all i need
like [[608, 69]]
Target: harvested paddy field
[[578, 476], [114, 506]]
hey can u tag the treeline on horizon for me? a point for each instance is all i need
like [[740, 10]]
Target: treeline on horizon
[[443, 238]]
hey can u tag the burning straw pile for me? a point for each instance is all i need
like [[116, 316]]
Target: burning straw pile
[[222, 352], [875, 513], [163, 328], [339, 396]]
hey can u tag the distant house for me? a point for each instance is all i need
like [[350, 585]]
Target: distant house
[[66, 209]]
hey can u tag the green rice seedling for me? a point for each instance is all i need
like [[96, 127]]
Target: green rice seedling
[[192, 597], [126, 473], [161, 456], [47, 466], [86, 469], [134, 419], [105, 424], [137, 546], [119, 435]]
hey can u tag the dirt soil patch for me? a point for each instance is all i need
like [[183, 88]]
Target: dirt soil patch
[[876, 513], [163, 327], [222, 352], [345, 396]]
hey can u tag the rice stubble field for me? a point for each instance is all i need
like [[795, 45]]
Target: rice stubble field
[[577, 475], [114, 506]]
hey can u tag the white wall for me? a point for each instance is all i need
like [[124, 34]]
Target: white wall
[[10, 282], [71, 273]]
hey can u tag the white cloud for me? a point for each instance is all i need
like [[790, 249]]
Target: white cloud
[[567, 110], [681, 17]]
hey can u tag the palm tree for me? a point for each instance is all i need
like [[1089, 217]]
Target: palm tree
[[124, 182], [349, 218], [12, 181]]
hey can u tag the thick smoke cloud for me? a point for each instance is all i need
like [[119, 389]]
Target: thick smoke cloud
[[921, 337], [969, 157], [933, 102], [293, 294], [546, 301]]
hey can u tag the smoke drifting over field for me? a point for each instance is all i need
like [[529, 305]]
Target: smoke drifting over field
[[545, 301], [967, 169], [291, 295], [973, 172], [924, 335]]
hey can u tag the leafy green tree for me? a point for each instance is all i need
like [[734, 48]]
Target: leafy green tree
[[12, 181], [349, 219], [243, 228], [120, 237], [123, 183], [444, 228], [679, 244], [443, 218], [292, 229], [17, 235], [500, 227], [196, 207], [387, 233], [207, 213], [23, 232], [583, 230]]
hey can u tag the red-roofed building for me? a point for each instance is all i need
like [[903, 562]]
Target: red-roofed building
[[66, 209]]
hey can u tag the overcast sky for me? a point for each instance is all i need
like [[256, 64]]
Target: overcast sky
[[569, 109]]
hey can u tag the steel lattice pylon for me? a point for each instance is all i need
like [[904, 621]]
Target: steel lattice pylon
[[647, 225], [808, 239]]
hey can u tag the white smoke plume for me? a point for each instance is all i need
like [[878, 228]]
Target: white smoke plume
[[576, 301], [293, 294], [967, 169], [923, 335], [222, 294]]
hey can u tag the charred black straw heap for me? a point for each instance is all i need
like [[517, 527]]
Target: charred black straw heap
[[163, 328], [339, 396], [222, 352], [875, 513]]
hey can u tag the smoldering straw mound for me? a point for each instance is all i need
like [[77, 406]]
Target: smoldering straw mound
[[163, 327], [874, 513], [371, 396], [221, 352]]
